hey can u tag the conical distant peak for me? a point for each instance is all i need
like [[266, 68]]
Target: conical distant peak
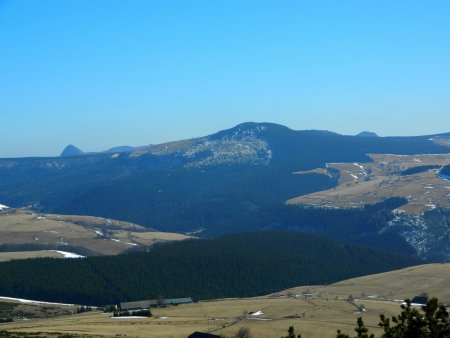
[[71, 150]]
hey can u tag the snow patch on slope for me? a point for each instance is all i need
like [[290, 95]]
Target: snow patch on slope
[[243, 146], [421, 234], [363, 171], [67, 254], [414, 230], [119, 241]]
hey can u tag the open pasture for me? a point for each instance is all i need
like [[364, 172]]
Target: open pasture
[[372, 182], [23, 228], [314, 311]]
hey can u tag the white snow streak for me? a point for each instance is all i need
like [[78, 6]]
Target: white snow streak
[[363, 172], [68, 254], [119, 241], [21, 300], [257, 313]]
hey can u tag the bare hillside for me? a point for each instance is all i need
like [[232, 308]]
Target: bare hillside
[[362, 183], [23, 232], [430, 279]]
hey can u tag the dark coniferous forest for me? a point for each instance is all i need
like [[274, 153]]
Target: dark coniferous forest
[[418, 169], [247, 264], [445, 170]]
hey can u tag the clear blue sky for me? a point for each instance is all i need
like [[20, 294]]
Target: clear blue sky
[[99, 74]]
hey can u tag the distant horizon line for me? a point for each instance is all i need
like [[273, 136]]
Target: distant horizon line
[[93, 152]]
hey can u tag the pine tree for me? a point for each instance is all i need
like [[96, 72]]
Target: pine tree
[[432, 322]]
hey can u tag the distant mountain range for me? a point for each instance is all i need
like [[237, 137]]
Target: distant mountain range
[[214, 184], [71, 150], [367, 134]]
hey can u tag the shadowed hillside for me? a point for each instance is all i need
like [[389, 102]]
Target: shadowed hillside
[[194, 184]]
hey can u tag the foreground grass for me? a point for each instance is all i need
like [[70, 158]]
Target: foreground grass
[[314, 316]]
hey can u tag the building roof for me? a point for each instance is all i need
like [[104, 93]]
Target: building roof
[[144, 304], [420, 300], [202, 335], [178, 300]]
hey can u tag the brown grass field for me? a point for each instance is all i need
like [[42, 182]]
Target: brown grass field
[[8, 256], [314, 311], [98, 235], [362, 183]]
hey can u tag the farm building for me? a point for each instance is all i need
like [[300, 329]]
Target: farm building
[[419, 300], [176, 301], [145, 304], [138, 305]]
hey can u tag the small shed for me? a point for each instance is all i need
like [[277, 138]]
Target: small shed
[[419, 300]]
